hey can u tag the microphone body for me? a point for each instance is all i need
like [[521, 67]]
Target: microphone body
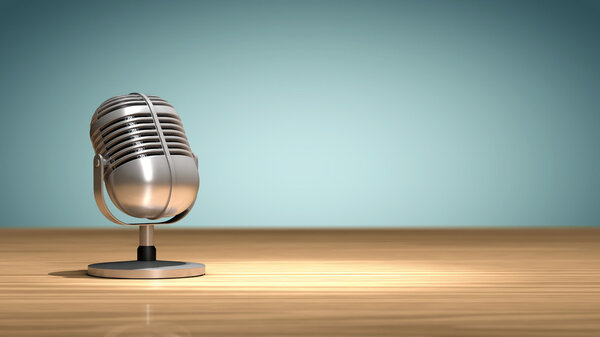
[[149, 168]]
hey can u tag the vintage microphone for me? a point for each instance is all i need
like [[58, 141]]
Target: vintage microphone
[[144, 158]]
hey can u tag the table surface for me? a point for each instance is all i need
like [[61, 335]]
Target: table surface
[[435, 282]]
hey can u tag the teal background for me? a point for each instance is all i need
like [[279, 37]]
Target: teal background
[[316, 113]]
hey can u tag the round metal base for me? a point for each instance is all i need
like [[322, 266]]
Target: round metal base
[[146, 269]]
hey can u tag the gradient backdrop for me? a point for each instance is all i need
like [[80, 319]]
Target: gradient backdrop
[[316, 113]]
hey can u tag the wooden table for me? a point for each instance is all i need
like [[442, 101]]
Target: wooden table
[[437, 282]]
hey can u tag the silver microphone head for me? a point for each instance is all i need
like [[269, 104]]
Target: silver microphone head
[[147, 163]]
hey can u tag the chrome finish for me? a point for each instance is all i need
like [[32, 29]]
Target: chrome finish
[[99, 164], [147, 235], [163, 144], [146, 269], [144, 158]]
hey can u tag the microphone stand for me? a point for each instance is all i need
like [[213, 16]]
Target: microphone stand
[[146, 250]]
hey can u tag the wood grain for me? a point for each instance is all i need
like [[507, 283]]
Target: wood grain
[[491, 282]]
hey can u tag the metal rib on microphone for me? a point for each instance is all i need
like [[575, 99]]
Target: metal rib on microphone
[[145, 160]]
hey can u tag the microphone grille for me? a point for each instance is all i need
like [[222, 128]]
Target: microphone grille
[[123, 101], [123, 129]]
